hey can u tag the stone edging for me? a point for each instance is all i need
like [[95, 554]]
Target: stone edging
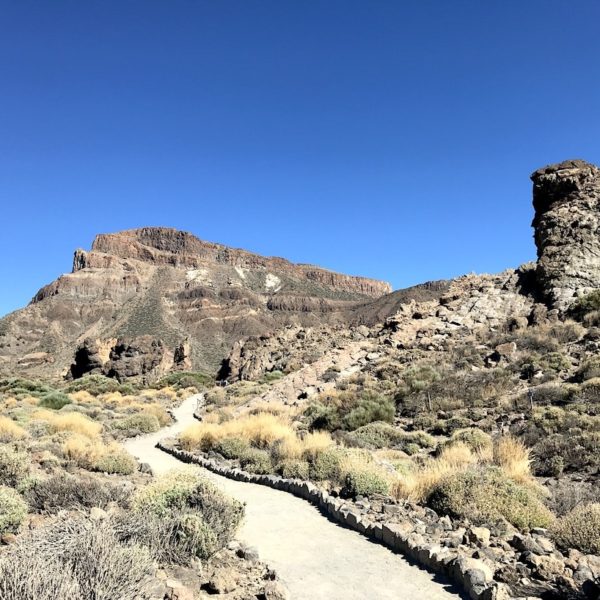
[[394, 536]]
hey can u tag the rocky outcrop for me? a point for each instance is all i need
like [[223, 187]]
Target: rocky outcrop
[[124, 358], [566, 199]]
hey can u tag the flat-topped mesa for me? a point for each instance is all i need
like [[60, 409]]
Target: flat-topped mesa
[[167, 246], [566, 199]]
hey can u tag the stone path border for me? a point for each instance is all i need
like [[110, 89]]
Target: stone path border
[[434, 558]]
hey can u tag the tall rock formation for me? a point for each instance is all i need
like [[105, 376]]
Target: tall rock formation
[[566, 199]]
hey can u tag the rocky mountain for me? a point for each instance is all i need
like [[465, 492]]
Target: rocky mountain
[[149, 300], [153, 299]]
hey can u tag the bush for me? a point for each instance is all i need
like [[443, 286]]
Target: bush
[[138, 424], [27, 576], [54, 400], [63, 491], [14, 466], [327, 465], [383, 435], [485, 496], [184, 379], [366, 482], [256, 461], [349, 411], [12, 510], [75, 422], [293, 468], [89, 552], [580, 529], [115, 460], [184, 490], [96, 385], [590, 369], [474, 438], [232, 447], [585, 305]]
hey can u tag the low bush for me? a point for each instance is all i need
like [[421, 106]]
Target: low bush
[[115, 460], [14, 466], [64, 491], [579, 529], [258, 461], [12, 510], [137, 424], [327, 465], [88, 553], [54, 400], [185, 379], [485, 496], [366, 481], [294, 469], [232, 447], [474, 438], [178, 492], [349, 411], [383, 435], [99, 384]]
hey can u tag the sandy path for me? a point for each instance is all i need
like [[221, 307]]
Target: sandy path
[[316, 559]]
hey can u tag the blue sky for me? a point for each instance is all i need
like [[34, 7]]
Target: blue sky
[[384, 138]]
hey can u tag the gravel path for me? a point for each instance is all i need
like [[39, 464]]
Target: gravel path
[[316, 559]]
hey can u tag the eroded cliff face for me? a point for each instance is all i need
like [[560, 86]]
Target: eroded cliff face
[[170, 286], [566, 199]]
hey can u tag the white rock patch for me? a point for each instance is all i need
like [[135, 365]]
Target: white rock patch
[[240, 272], [192, 274], [272, 282]]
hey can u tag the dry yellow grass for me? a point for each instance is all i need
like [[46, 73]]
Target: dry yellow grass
[[261, 430], [82, 397], [508, 453], [83, 451], [315, 442], [73, 422], [512, 457], [10, 431], [155, 409]]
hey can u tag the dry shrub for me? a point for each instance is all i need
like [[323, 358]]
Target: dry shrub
[[10, 431], [83, 397], [12, 510], [71, 421], [315, 442], [64, 491], [579, 529], [94, 455], [14, 466], [77, 558]]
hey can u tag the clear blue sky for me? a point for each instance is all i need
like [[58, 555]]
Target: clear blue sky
[[385, 138]]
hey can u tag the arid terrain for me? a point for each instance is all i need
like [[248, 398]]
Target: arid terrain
[[456, 423]]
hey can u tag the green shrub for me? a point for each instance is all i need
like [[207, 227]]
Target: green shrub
[[349, 411], [585, 305], [473, 437], [184, 490], [271, 376], [12, 510], [256, 461], [294, 469], [54, 400], [99, 384], [138, 424], [383, 435], [579, 529], [485, 496], [366, 482], [232, 447], [198, 535], [185, 379], [14, 466], [118, 462], [327, 465]]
